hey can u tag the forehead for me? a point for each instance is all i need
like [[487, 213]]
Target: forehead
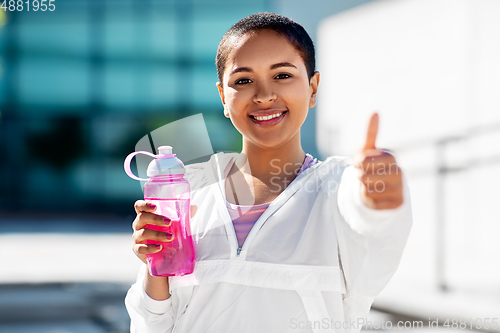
[[261, 49]]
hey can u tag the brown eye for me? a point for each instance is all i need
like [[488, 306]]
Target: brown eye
[[243, 81], [282, 76]]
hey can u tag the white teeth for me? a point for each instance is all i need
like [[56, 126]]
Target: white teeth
[[268, 117]]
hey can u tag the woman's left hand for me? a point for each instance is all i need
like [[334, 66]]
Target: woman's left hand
[[380, 176]]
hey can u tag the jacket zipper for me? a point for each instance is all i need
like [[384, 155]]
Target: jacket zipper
[[233, 232]]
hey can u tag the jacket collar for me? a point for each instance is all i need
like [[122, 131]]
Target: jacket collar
[[217, 166]]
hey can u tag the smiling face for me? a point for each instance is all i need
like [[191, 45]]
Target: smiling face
[[266, 90]]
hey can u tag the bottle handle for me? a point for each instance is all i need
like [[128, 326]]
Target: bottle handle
[[128, 160]]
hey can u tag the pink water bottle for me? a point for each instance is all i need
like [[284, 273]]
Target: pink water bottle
[[169, 191]]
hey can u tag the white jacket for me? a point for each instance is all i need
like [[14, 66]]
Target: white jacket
[[313, 262]]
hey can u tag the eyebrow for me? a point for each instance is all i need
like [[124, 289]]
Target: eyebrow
[[283, 64], [274, 66]]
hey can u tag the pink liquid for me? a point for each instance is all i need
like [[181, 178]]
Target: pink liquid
[[176, 257]]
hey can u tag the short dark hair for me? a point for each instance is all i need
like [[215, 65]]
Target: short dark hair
[[284, 26]]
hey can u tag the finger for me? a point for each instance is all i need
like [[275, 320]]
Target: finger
[[380, 193], [144, 235], [379, 169], [142, 249], [371, 134], [194, 209], [372, 155], [375, 153], [144, 206], [381, 203], [144, 218], [370, 164], [382, 182], [388, 204]]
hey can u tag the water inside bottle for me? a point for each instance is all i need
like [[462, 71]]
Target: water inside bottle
[[177, 256]]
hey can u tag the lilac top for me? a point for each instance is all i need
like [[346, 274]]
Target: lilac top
[[245, 216]]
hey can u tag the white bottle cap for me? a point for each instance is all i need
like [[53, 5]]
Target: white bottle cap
[[165, 163], [164, 150]]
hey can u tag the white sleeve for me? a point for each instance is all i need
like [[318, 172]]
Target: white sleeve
[[371, 242], [146, 314]]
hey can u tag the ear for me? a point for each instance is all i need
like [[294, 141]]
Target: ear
[[314, 83], [223, 100]]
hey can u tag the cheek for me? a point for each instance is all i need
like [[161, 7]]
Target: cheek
[[297, 95], [236, 99]]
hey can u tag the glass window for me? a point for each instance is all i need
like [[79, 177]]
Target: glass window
[[53, 81], [162, 34], [64, 34], [120, 32], [163, 87], [119, 84]]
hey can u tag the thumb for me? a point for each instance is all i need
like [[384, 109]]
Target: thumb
[[371, 134]]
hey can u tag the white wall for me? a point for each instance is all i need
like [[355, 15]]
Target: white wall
[[431, 68]]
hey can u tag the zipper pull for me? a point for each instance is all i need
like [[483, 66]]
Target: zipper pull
[[238, 251]]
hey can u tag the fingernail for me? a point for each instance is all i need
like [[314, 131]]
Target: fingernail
[[157, 246], [166, 220], [152, 206]]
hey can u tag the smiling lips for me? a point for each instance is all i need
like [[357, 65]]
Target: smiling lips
[[268, 119], [260, 118]]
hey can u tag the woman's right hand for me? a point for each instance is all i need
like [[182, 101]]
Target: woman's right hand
[[142, 234], [155, 286]]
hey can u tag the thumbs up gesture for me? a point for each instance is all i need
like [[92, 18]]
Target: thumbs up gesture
[[380, 176]]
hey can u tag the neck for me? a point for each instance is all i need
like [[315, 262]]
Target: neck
[[266, 163]]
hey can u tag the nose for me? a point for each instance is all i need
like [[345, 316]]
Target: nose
[[264, 93]]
